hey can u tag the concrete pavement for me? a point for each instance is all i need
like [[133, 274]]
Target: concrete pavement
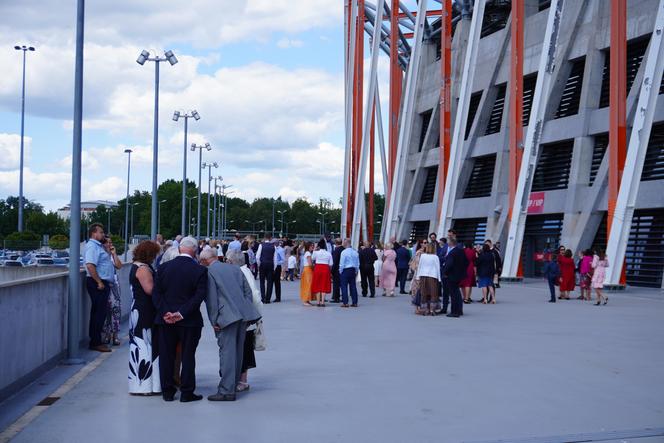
[[520, 369]]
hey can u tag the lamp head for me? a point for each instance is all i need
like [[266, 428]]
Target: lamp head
[[195, 114], [127, 151], [176, 116], [193, 146], [215, 164], [208, 147], [18, 48], [142, 57], [170, 57], [31, 48]]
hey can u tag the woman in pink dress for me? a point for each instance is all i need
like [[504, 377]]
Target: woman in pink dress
[[599, 264], [467, 283], [388, 272]]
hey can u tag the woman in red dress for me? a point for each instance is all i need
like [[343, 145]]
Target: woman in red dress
[[566, 264], [467, 283], [321, 284]]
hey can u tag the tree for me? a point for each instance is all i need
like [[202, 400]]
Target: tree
[[58, 241]]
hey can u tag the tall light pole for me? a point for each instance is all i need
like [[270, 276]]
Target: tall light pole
[[74, 295], [20, 173], [128, 152], [281, 213], [200, 148], [132, 218], [322, 226], [209, 166], [190, 217], [142, 58], [288, 224], [159, 217], [224, 205], [186, 116], [215, 231]]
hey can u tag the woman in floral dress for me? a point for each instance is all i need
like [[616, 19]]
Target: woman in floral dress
[[143, 355]]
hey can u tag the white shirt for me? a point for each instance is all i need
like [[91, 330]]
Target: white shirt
[[429, 267], [292, 261], [220, 251], [322, 257], [305, 262], [260, 251]]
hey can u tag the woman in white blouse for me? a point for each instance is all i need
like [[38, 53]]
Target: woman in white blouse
[[428, 277], [321, 284]]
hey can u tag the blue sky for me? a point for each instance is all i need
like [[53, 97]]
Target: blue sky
[[266, 77]]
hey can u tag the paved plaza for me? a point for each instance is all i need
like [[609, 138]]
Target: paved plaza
[[523, 368]]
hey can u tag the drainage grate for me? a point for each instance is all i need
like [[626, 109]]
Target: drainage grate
[[48, 401]]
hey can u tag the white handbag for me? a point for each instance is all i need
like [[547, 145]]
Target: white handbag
[[260, 343]]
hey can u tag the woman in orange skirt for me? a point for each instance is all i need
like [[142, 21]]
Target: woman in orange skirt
[[321, 284], [307, 274]]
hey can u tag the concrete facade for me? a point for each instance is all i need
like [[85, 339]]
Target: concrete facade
[[33, 325], [584, 33]]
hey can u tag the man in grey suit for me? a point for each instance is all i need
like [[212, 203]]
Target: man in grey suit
[[230, 308]]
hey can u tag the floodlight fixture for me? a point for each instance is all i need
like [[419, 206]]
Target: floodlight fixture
[[195, 114], [143, 57], [170, 57], [176, 116]]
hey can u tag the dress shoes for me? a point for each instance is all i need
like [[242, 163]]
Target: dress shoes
[[168, 397], [453, 315], [101, 348], [221, 397], [186, 398]]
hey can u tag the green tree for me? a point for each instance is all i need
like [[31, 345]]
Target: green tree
[[58, 241]]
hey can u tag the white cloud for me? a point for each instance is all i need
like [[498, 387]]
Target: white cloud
[[111, 188], [37, 185], [285, 43], [10, 149]]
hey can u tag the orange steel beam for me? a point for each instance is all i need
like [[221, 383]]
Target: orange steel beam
[[432, 13], [372, 160], [395, 96], [445, 98], [516, 106], [358, 95], [617, 105]]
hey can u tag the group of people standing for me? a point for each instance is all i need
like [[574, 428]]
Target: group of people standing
[[165, 319], [587, 272]]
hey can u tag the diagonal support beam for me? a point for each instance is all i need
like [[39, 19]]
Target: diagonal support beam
[[533, 135], [455, 156]]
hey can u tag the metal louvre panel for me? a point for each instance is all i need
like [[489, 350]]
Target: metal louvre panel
[[547, 224], [653, 168], [481, 177], [599, 149], [475, 99], [599, 242], [496, 13], [429, 185], [496, 117], [426, 121], [553, 166], [569, 100], [636, 49], [420, 231], [470, 231], [529, 83], [644, 257]]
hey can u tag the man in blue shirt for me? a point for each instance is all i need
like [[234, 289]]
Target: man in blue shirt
[[99, 271], [349, 266], [403, 258], [235, 245], [280, 262]]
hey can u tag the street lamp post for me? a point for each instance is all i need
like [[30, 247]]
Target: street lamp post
[[224, 205], [215, 231], [190, 217], [159, 218], [128, 152], [186, 116], [322, 226], [142, 58], [132, 218], [200, 148], [281, 213], [209, 166], [20, 173], [288, 223]]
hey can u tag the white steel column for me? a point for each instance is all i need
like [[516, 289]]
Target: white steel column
[[458, 135], [350, 67], [383, 160], [366, 136], [406, 125], [636, 152], [531, 147]]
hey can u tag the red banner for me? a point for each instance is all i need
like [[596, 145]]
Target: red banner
[[536, 203]]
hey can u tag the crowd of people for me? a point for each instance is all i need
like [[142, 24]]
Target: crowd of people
[[170, 280]]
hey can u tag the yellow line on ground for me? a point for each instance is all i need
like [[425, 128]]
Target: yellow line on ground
[[12, 430]]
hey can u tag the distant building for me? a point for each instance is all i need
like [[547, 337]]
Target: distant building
[[87, 208]]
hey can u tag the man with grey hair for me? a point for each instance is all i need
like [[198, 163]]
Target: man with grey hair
[[180, 288], [230, 309]]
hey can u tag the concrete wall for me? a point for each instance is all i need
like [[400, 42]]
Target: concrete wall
[[15, 273], [33, 325]]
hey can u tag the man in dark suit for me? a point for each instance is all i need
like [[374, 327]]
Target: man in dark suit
[[180, 288], [454, 269], [266, 259], [403, 258], [336, 282], [441, 252], [367, 279]]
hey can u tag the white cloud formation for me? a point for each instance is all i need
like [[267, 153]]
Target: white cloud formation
[[10, 150], [111, 188], [285, 43]]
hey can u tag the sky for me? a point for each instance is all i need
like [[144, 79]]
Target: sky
[[266, 77]]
